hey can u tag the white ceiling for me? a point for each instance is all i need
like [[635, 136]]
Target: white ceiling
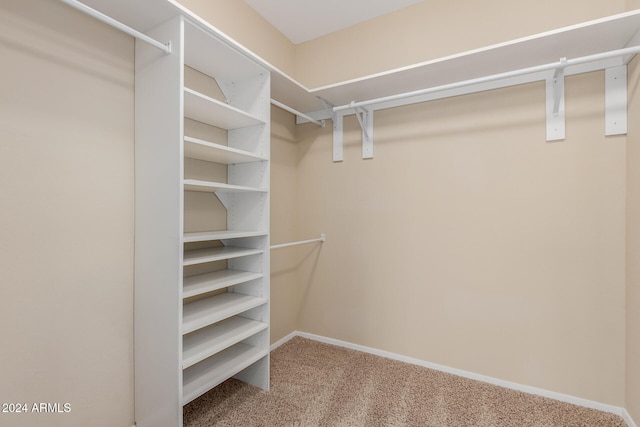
[[303, 20]]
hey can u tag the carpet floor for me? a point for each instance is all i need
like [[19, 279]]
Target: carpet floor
[[316, 384]]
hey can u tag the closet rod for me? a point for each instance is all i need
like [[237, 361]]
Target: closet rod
[[322, 238], [166, 48], [297, 113], [562, 63]]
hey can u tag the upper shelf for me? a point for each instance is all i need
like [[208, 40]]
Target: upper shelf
[[601, 35], [610, 33]]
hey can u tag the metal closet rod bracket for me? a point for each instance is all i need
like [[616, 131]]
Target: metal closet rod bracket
[[165, 47]]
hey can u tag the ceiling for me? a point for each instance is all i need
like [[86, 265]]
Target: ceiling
[[304, 20]]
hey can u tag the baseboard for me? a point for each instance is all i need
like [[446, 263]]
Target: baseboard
[[284, 340], [466, 374], [627, 419]]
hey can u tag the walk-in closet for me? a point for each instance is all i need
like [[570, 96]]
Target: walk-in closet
[[322, 213]]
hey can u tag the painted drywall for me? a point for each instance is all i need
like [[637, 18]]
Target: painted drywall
[[238, 20], [284, 217], [633, 246], [433, 29], [66, 228], [471, 242]]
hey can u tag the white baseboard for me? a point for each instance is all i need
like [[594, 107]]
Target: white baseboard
[[284, 340], [627, 419], [466, 374]]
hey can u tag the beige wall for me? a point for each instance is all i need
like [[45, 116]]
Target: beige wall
[[633, 246], [433, 29], [633, 241], [284, 217], [239, 21], [66, 233], [471, 242]]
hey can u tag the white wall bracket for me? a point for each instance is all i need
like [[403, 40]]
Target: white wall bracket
[[338, 136], [555, 104], [365, 118], [615, 95], [226, 89]]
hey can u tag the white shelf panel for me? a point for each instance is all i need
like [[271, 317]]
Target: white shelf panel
[[219, 187], [203, 236], [205, 109], [208, 341], [203, 283], [574, 41], [207, 311], [612, 32], [200, 256], [207, 374], [195, 148]]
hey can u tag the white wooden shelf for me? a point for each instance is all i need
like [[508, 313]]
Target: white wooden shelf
[[208, 341], [201, 256], [205, 109], [203, 283], [195, 148], [219, 187], [600, 35], [207, 311], [204, 376], [609, 33], [204, 236]]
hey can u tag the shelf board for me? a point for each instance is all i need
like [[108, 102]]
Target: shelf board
[[608, 33], [207, 311], [600, 35], [219, 187], [203, 283], [204, 236], [205, 109], [208, 341], [221, 253], [204, 376], [199, 149]]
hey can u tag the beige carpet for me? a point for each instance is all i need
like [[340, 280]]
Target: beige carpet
[[316, 384]]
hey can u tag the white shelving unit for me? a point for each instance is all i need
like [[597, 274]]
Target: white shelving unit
[[202, 293]]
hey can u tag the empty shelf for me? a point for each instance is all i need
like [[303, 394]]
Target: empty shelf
[[215, 187], [207, 311], [205, 109], [207, 374], [208, 341], [211, 152], [203, 236], [196, 285], [200, 256]]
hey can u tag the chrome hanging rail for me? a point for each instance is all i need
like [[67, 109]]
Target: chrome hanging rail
[[561, 64], [320, 239], [166, 48], [297, 113]]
